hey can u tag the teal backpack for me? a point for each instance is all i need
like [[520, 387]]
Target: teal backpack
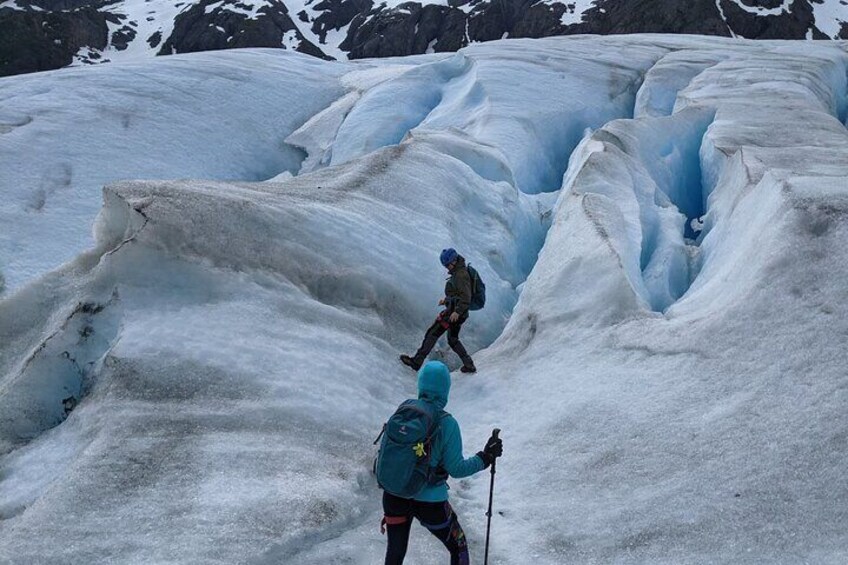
[[478, 289], [403, 462]]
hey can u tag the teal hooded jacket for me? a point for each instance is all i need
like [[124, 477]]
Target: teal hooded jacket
[[434, 383]]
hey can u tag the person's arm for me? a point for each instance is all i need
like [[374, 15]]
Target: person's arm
[[453, 462]]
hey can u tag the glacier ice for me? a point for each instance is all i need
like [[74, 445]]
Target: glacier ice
[[666, 396], [221, 116]]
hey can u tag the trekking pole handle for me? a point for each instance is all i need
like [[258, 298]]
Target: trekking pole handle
[[495, 434]]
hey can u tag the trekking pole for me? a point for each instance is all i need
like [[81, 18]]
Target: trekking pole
[[495, 433]]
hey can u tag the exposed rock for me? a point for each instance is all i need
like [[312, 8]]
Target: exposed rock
[[122, 36], [64, 5], [653, 16], [223, 28], [791, 25], [374, 30], [336, 14], [39, 41], [406, 30]]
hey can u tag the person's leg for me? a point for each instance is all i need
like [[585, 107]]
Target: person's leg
[[433, 334], [397, 520], [441, 520], [456, 345]]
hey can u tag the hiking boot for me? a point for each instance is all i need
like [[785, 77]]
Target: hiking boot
[[410, 362], [469, 368]]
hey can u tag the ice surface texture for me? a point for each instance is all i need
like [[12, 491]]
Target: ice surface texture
[[221, 116], [660, 223]]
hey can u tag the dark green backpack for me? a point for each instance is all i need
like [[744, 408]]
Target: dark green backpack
[[478, 289]]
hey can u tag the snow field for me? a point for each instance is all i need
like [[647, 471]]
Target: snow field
[[218, 116]]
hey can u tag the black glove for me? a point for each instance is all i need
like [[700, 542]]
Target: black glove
[[493, 450]]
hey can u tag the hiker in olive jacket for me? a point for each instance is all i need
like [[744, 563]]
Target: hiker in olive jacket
[[457, 299]]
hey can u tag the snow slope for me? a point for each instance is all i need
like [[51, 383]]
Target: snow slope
[[216, 116], [663, 343]]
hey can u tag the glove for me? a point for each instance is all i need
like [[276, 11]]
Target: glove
[[493, 450]]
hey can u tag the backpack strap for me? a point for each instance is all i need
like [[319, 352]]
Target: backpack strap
[[439, 474], [376, 441]]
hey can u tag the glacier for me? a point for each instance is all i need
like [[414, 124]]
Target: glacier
[[211, 262]]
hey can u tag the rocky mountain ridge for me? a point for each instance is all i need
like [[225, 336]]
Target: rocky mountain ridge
[[38, 35]]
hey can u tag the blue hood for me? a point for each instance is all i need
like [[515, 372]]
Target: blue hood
[[434, 383]]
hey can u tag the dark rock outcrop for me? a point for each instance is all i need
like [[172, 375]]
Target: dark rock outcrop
[[788, 25], [221, 28], [39, 41], [408, 29], [336, 14], [122, 36], [64, 5], [653, 16], [45, 34], [155, 39]]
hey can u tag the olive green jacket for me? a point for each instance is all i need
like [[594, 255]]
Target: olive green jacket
[[458, 289]]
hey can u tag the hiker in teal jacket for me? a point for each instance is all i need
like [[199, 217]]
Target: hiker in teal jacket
[[431, 506]]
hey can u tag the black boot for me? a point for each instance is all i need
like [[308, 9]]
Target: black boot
[[468, 367], [410, 362]]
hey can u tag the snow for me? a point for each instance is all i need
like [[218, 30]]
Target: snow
[[665, 395], [830, 16], [332, 40], [784, 8], [141, 120], [10, 5], [333, 37], [163, 14], [290, 40], [395, 4], [575, 10]]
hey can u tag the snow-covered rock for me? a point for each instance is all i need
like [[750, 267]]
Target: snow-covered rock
[[45, 34]]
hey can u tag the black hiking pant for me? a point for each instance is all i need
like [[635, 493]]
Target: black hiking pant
[[434, 332], [438, 517]]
